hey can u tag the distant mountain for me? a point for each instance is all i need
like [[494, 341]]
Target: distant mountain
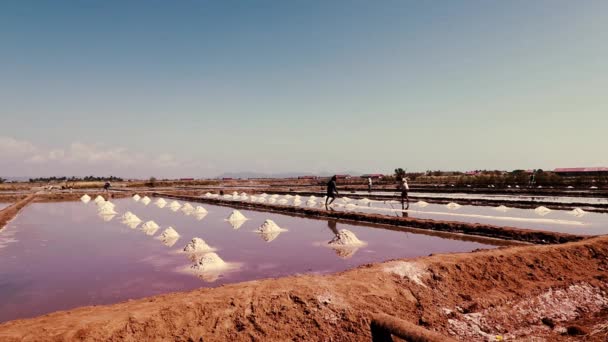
[[246, 174]]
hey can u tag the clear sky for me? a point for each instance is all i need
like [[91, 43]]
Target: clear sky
[[197, 88]]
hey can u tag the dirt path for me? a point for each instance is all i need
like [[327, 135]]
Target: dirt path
[[514, 292], [12, 210]]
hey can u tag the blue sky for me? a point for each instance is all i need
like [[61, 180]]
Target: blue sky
[[197, 88]]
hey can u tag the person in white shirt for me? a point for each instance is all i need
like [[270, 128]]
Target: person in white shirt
[[369, 184], [404, 187]]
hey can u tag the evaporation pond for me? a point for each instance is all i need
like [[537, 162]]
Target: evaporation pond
[[56, 256]]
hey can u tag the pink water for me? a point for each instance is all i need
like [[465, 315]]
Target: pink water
[[56, 256]]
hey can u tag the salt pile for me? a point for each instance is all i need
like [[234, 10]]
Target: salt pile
[[311, 203], [501, 208], [169, 237], [130, 217], [270, 226], [107, 209], [235, 194], [106, 204], [422, 204], [198, 245], [99, 199], [200, 210], [261, 199], [85, 198], [136, 198], [346, 199], [282, 201], [542, 211], [578, 212], [345, 238], [269, 230], [253, 198], [146, 200], [453, 205], [187, 209], [208, 194], [106, 217], [243, 194], [150, 227], [297, 202], [264, 195], [209, 262], [272, 200], [364, 201], [312, 198], [350, 206], [288, 196], [227, 197], [296, 197], [275, 196], [236, 216], [175, 205], [161, 203]]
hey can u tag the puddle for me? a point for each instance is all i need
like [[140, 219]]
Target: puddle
[[63, 255], [4, 205]]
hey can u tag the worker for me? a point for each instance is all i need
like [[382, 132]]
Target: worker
[[369, 184], [332, 191], [404, 188]]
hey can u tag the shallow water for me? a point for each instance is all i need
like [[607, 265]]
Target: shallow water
[[4, 205], [546, 199], [57, 256]]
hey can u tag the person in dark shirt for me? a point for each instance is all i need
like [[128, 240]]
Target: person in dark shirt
[[106, 187], [332, 191]]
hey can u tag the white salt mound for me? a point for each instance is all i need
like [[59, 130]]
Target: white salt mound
[[99, 199], [578, 212], [264, 195], [208, 194], [243, 194], [200, 210], [274, 196], [236, 215], [227, 196], [175, 204], [146, 200], [187, 208], [197, 245], [85, 198], [422, 204], [269, 226], [501, 208], [130, 217], [272, 200], [288, 196], [542, 210], [296, 202], [150, 227], [282, 201], [345, 238], [136, 197], [350, 206], [234, 193], [160, 201], [106, 211], [253, 198], [169, 233], [209, 262], [453, 205], [261, 199]]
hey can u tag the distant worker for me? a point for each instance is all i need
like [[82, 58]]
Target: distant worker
[[532, 179], [106, 187], [404, 188], [332, 191], [369, 184]]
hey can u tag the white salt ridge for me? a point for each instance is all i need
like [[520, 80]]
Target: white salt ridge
[[345, 238], [198, 245], [130, 217], [421, 204], [150, 227], [311, 203], [269, 226], [288, 196], [146, 200], [274, 196], [209, 262], [99, 199], [364, 201], [453, 205], [85, 198], [136, 197], [227, 197], [542, 211], [501, 208], [272, 200], [236, 215], [282, 201], [261, 199]]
